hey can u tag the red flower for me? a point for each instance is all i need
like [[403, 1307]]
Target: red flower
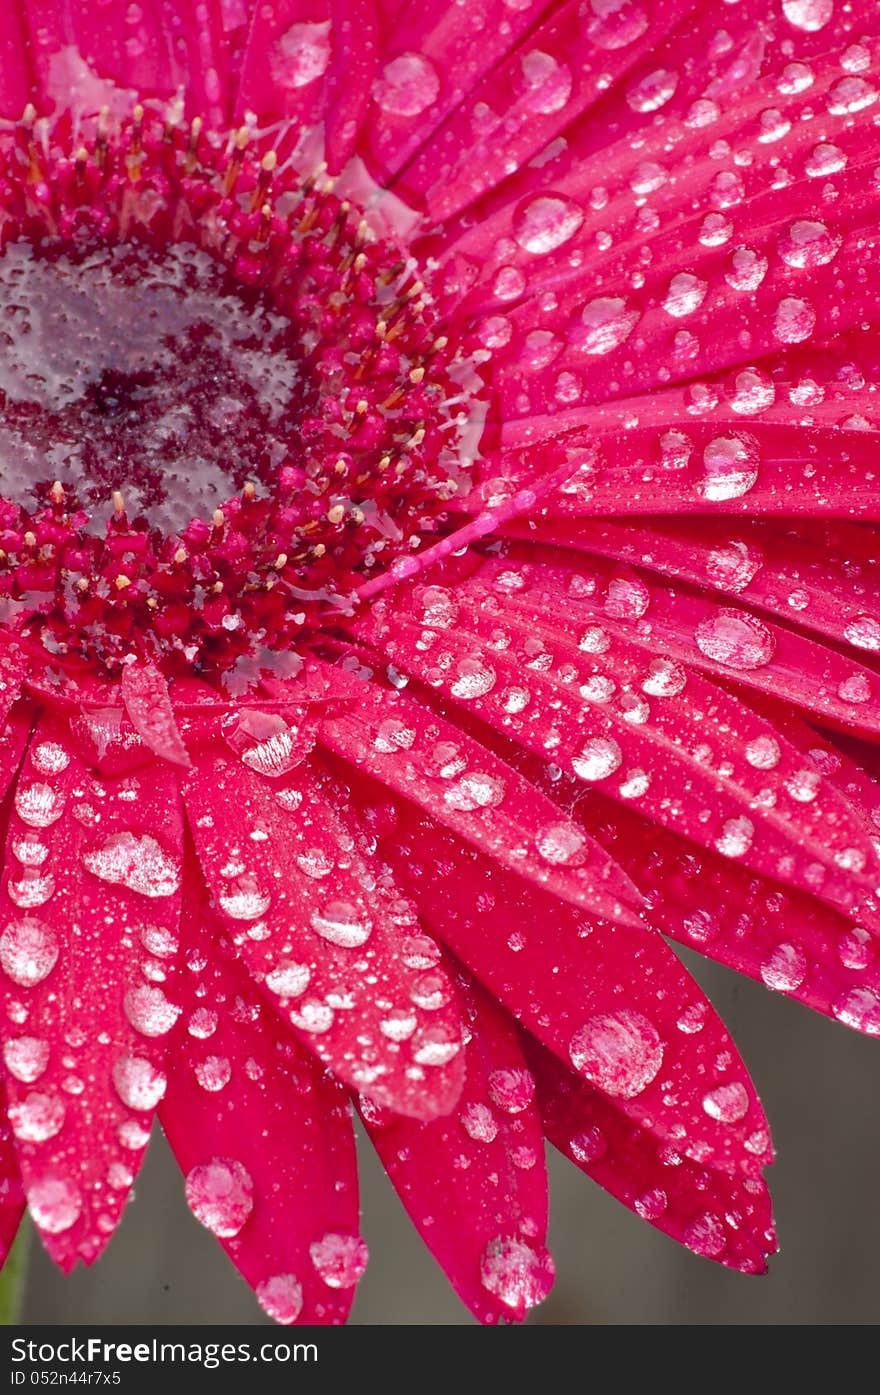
[[436, 448]]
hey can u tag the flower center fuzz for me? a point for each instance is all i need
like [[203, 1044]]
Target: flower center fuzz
[[224, 405]]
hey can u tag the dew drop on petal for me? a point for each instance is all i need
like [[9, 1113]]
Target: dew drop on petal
[[735, 837], [808, 244], [220, 1194], [407, 86], [863, 632], [302, 55], [479, 1123], [732, 566], [705, 1236], [620, 1052], [37, 1117], [288, 979], [281, 1296], [26, 1058], [785, 968], [55, 1204], [599, 758], [511, 1090], [340, 1260], [149, 1011], [736, 639], [859, 1008], [731, 468], [39, 805], [342, 923], [727, 1103], [686, 294], [561, 844], [517, 1275], [809, 15], [213, 1073], [139, 1083], [544, 223], [607, 323], [28, 951], [794, 321], [135, 862], [763, 753]]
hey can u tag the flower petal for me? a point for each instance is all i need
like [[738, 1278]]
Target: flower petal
[[721, 1217], [608, 999], [11, 1190], [324, 932], [624, 718], [464, 786], [475, 1184], [262, 1135], [148, 704], [90, 906]]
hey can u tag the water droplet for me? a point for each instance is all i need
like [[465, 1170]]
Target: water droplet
[[28, 951], [735, 837], [511, 1090], [627, 598], [26, 1058], [289, 979], [561, 844], [479, 1123], [549, 82], [517, 1275], [220, 1194], [149, 1011], [55, 1204], [214, 1073], [794, 321], [342, 923], [763, 753], [340, 1260], [408, 85], [808, 244], [731, 467], [302, 54], [599, 758], [544, 223], [864, 632], [139, 1083], [475, 791], [138, 863], [727, 1103], [665, 678], [809, 15], [37, 1117], [785, 968], [705, 1236], [686, 294], [736, 639], [39, 805], [652, 91], [281, 1296], [733, 566], [606, 325], [620, 1052], [49, 758], [474, 678], [859, 1008], [247, 901], [435, 1045]]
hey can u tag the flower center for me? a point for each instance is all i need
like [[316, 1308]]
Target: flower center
[[120, 370], [225, 405]]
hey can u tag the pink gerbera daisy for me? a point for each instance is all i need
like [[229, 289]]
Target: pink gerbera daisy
[[436, 448]]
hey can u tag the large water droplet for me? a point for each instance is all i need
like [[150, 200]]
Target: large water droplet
[[340, 1260], [517, 1275], [620, 1052], [220, 1194], [135, 862], [139, 1083], [736, 639], [544, 223], [55, 1204], [281, 1296], [342, 923], [28, 951], [599, 758]]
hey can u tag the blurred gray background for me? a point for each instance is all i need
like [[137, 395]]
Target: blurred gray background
[[819, 1083]]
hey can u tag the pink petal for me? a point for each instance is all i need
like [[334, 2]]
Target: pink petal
[[721, 1217], [628, 721], [13, 671], [263, 1137], [13, 743], [90, 910], [801, 573], [475, 1184], [609, 999], [464, 786], [11, 1191], [148, 704], [322, 928], [87, 58], [560, 69]]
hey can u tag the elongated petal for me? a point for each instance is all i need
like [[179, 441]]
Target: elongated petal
[[606, 999], [721, 1217], [464, 786], [262, 1135], [475, 1184], [634, 725], [324, 931], [13, 744], [11, 1190], [148, 704], [90, 902]]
